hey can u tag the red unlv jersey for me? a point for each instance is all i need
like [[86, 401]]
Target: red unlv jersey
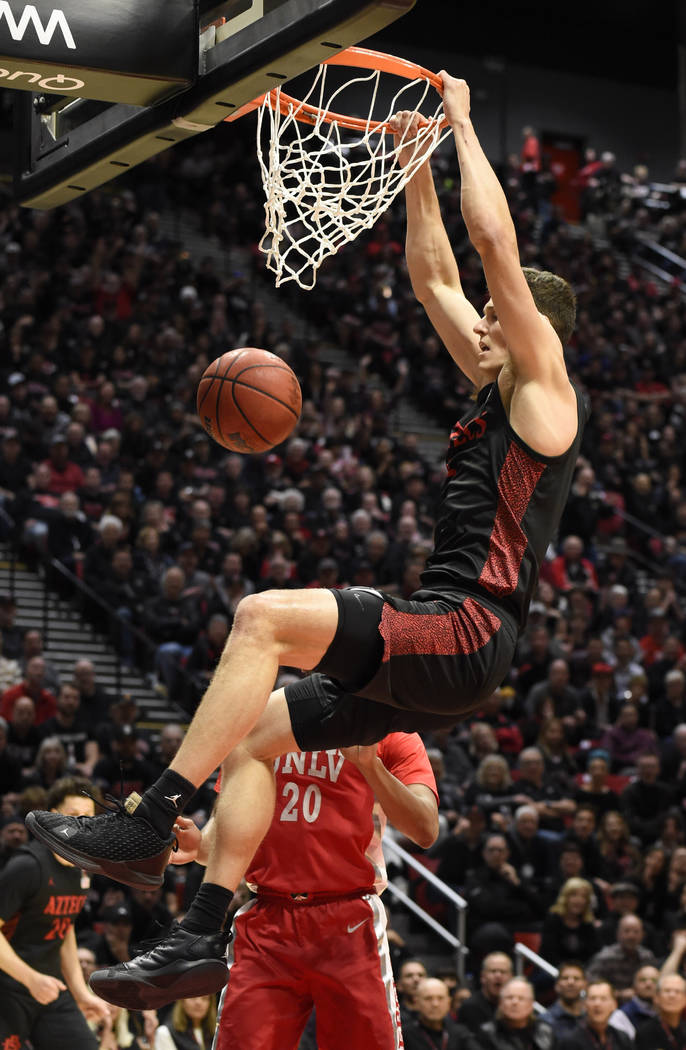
[[325, 836]]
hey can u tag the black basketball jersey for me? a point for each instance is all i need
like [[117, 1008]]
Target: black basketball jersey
[[39, 900], [500, 508]]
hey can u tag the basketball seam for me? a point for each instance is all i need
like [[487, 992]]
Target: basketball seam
[[251, 425], [235, 361], [262, 364], [259, 390], [222, 378]]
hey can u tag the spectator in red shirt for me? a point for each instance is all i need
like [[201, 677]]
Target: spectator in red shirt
[[33, 686], [530, 163], [570, 569], [508, 734], [65, 476], [653, 641]]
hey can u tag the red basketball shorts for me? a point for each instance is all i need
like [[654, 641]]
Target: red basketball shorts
[[291, 957]]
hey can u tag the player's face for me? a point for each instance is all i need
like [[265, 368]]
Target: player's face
[[492, 347]]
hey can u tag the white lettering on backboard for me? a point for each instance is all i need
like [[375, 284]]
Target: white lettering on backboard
[[59, 83], [30, 16]]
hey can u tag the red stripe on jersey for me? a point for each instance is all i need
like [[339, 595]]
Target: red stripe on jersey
[[518, 479], [437, 634], [10, 926]]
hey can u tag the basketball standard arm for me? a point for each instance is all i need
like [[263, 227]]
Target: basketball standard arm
[[532, 343]]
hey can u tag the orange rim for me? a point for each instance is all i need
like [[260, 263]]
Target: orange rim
[[361, 58]]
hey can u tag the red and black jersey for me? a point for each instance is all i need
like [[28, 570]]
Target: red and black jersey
[[39, 900], [500, 508]]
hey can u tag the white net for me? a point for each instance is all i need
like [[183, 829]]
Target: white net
[[324, 184]]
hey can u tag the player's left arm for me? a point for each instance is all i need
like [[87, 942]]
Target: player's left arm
[[412, 808], [534, 346], [94, 1008]]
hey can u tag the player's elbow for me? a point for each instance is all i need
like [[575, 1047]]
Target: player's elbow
[[427, 829], [423, 286], [432, 292], [492, 239]]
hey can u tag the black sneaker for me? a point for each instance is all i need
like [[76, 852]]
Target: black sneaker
[[119, 843], [181, 965]]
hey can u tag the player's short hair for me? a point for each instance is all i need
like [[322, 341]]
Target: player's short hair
[[554, 298], [66, 787]]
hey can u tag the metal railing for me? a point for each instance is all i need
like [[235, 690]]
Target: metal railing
[[661, 262], [79, 596], [458, 940], [525, 953]]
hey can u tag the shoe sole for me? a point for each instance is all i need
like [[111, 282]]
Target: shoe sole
[[135, 992], [120, 871]]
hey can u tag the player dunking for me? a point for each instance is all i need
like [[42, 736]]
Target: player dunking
[[384, 664]]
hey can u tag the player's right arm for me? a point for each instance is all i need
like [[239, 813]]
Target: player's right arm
[[432, 266], [42, 986]]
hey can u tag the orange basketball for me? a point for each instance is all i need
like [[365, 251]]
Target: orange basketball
[[249, 400]]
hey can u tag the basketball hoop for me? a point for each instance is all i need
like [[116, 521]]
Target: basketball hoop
[[328, 176]]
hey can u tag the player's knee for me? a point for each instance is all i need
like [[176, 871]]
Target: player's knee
[[254, 614]]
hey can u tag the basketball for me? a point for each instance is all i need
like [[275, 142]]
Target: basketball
[[249, 400]]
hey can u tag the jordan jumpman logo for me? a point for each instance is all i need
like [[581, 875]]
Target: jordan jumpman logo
[[173, 799]]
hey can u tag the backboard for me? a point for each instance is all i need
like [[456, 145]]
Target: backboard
[[101, 87]]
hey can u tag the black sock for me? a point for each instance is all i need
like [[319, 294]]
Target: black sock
[[207, 913], [166, 800]]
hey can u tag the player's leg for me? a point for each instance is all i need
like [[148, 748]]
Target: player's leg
[[352, 978], [191, 959], [267, 1002], [18, 1010], [292, 628], [245, 807], [62, 1026]]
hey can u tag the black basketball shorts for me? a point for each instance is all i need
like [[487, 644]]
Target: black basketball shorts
[[398, 665], [26, 1025]]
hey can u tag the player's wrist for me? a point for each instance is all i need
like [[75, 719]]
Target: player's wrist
[[461, 126], [370, 763], [29, 978]]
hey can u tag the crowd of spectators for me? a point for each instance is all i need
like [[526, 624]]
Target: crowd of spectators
[[562, 799]]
